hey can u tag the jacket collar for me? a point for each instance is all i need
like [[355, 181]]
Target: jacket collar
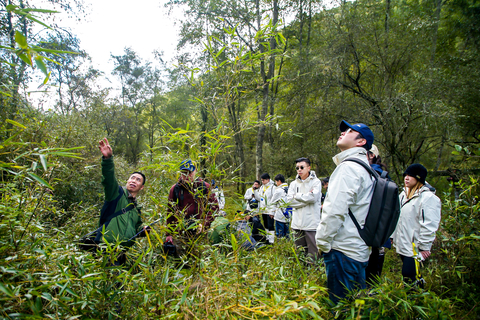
[[311, 176], [423, 189], [359, 152], [268, 185]]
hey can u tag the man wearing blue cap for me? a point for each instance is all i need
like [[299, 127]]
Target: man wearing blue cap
[[350, 187], [190, 205]]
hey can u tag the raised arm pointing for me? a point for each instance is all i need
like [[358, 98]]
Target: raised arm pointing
[[105, 148]]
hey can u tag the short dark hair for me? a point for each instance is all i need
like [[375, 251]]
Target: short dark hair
[[306, 160], [257, 182], [326, 180], [360, 136], [143, 176], [280, 177], [265, 176]]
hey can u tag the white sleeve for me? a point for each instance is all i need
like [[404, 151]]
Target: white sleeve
[[343, 186], [429, 218], [248, 194], [311, 196], [292, 202]]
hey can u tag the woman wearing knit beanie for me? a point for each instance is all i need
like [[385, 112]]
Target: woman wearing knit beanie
[[418, 222]]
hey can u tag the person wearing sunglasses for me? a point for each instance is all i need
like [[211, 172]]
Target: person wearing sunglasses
[[345, 253], [304, 196]]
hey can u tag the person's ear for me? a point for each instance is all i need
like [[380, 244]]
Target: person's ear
[[361, 142]]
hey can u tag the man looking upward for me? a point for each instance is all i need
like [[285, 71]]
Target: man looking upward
[[350, 188], [123, 220]]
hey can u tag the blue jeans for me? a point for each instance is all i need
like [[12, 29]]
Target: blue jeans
[[281, 229], [343, 274]]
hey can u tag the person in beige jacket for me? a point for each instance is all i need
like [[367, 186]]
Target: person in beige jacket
[[350, 187], [304, 196], [419, 220]]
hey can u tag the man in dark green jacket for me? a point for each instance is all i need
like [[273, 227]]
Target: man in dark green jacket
[[126, 221]]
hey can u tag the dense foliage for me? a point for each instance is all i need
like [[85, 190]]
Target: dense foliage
[[249, 94]]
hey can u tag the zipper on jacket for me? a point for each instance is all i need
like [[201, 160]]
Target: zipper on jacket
[[423, 215]]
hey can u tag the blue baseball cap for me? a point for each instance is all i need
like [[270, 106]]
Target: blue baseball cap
[[187, 165], [360, 128]]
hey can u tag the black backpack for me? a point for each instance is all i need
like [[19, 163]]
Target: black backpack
[[383, 212]]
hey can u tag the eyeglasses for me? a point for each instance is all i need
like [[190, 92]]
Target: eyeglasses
[[300, 167]]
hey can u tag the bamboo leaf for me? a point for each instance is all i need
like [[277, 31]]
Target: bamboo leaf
[[41, 65], [25, 58], [43, 161], [21, 40], [40, 180], [6, 290], [15, 123]]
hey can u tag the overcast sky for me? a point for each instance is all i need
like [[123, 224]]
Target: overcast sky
[[112, 25]]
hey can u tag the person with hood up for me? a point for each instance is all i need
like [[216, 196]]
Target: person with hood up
[[419, 220], [279, 200], [304, 196], [264, 197]]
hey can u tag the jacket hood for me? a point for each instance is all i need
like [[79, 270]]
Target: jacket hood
[[311, 176], [430, 187], [356, 151]]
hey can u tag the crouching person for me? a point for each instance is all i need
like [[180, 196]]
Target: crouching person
[[190, 211], [120, 215]]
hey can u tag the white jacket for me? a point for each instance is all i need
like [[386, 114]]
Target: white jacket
[[264, 196], [419, 220], [350, 186], [279, 200], [304, 196], [220, 198], [248, 195]]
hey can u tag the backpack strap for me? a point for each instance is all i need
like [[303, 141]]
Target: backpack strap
[[128, 208], [372, 173], [104, 217], [366, 166]]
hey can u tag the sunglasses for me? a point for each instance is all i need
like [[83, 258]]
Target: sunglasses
[[300, 167]]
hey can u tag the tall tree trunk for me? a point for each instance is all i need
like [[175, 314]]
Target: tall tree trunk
[[264, 109], [271, 67], [203, 140], [438, 10]]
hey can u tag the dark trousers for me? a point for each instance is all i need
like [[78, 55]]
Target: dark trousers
[[375, 265], [281, 229], [409, 272], [343, 274], [268, 222]]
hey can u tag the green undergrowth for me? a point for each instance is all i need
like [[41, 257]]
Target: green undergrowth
[[49, 278]]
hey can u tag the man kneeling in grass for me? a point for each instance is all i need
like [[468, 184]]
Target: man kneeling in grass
[[121, 216]]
